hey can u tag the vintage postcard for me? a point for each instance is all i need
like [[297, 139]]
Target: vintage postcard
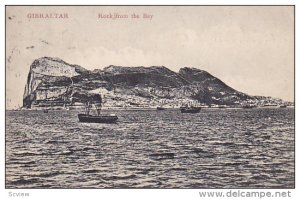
[[150, 97]]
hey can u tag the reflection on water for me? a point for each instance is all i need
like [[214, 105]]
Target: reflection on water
[[216, 148]]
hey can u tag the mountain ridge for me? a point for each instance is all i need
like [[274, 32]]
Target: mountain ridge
[[54, 82]]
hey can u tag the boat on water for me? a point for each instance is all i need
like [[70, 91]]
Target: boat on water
[[45, 111], [99, 118], [282, 106], [190, 109], [159, 108]]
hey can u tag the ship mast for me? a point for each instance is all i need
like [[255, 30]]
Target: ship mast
[[98, 108], [98, 105], [87, 108]]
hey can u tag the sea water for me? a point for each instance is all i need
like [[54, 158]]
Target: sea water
[[216, 148]]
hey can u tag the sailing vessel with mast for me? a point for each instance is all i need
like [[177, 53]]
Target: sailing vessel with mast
[[190, 109], [99, 118]]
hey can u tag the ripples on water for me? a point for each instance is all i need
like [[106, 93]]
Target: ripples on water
[[216, 148]]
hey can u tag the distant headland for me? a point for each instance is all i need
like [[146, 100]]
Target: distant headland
[[52, 82]]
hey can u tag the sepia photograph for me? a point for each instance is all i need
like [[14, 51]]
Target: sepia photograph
[[150, 97]]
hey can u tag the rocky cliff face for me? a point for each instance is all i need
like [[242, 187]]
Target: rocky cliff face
[[49, 80], [53, 82]]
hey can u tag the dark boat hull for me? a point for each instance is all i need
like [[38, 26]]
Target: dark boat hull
[[160, 108], [97, 119], [190, 110], [247, 107]]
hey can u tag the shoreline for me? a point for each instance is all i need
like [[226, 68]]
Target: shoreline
[[137, 108]]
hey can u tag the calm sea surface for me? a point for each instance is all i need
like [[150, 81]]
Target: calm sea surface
[[216, 148]]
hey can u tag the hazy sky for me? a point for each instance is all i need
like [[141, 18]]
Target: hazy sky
[[250, 48]]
